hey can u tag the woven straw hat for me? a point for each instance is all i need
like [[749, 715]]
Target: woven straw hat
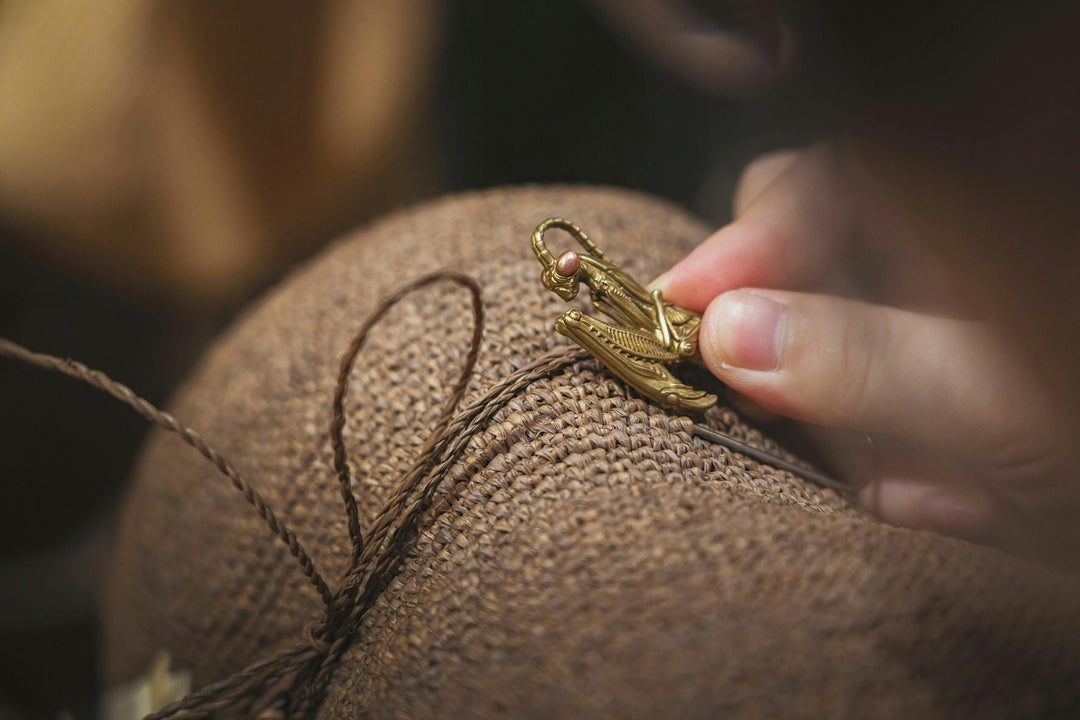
[[586, 556]]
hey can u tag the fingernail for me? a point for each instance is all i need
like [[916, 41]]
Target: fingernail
[[954, 512], [745, 330]]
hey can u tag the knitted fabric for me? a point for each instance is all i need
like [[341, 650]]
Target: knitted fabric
[[587, 556]]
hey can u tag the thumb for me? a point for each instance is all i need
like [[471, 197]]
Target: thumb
[[842, 363]]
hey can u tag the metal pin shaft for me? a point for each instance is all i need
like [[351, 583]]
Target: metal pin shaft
[[767, 457]]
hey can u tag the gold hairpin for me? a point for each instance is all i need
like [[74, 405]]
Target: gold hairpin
[[648, 337]]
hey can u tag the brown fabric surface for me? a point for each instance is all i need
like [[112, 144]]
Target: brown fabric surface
[[589, 557]]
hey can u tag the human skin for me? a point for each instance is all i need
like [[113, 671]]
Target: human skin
[[866, 287]]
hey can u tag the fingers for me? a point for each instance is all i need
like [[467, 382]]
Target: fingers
[[759, 174], [841, 363], [791, 225], [909, 485], [911, 500], [948, 500], [748, 408]]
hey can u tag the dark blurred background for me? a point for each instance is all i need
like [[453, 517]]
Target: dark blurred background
[[166, 165]]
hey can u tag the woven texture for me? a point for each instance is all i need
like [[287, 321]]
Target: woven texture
[[587, 556]]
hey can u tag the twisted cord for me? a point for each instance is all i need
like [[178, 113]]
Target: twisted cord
[[198, 704], [376, 556], [348, 360], [397, 512], [126, 395], [382, 554]]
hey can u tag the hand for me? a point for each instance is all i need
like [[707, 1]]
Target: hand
[[823, 302]]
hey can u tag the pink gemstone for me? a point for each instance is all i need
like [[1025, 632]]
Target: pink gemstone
[[568, 263]]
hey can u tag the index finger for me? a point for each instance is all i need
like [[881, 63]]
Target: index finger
[[784, 239]]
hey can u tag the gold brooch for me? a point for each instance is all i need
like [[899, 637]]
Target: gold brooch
[[648, 336]]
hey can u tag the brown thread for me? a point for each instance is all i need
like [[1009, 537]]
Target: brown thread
[[337, 423], [376, 556], [126, 395]]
